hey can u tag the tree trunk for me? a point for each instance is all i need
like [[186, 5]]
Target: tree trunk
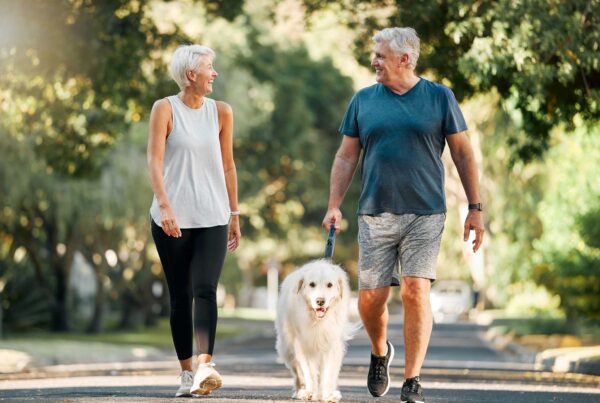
[[96, 324], [62, 272], [60, 313], [128, 307]]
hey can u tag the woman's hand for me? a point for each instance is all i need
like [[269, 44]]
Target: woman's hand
[[234, 233], [169, 222]]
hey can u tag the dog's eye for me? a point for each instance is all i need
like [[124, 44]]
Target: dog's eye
[[312, 285], [329, 285]]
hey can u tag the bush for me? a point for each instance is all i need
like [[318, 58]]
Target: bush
[[575, 275]]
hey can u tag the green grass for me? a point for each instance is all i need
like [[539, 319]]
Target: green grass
[[544, 326], [159, 336]]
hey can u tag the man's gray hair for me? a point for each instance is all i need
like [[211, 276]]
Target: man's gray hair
[[186, 58], [401, 40]]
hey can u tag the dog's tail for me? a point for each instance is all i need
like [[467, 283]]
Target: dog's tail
[[350, 330]]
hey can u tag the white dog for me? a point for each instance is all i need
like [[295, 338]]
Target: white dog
[[312, 328]]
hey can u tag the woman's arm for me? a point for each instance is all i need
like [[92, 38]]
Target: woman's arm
[[226, 140], [158, 131]]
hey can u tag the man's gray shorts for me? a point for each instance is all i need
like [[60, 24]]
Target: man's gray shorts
[[388, 240]]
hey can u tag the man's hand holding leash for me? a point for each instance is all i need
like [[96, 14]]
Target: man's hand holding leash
[[333, 216]]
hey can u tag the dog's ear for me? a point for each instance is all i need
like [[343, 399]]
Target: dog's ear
[[300, 285], [341, 287]]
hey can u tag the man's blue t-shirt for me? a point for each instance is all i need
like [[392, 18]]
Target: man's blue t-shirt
[[403, 137]]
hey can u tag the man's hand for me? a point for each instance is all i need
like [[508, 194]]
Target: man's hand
[[474, 222], [333, 216]]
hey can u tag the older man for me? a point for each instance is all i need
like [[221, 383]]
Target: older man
[[401, 124]]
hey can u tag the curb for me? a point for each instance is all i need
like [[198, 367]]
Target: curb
[[505, 343], [96, 369], [13, 361], [585, 360], [581, 360], [24, 370]]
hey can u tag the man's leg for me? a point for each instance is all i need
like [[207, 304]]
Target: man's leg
[[372, 305], [377, 260], [418, 321]]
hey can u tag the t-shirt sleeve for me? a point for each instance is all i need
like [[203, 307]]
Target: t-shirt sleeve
[[454, 121], [349, 125]]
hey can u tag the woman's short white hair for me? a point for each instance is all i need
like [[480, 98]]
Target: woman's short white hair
[[186, 58], [401, 40]]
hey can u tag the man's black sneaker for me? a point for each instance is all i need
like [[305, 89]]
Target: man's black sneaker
[[412, 392], [378, 380]]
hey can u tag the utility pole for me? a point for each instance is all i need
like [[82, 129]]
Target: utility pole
[[273, 268]]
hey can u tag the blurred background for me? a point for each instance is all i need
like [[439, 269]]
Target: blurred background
[[78, 79]]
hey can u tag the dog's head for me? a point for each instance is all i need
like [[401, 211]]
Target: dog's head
[[322, 286]]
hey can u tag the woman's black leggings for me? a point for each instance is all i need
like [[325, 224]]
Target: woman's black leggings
[[192, 266]]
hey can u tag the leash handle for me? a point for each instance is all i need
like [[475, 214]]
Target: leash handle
[[330, 242]]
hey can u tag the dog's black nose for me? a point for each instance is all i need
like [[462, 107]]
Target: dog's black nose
[[320, 301]]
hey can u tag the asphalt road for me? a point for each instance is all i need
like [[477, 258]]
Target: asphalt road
[[461, 366]]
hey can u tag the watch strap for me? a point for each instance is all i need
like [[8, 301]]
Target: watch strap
[[475, 206]]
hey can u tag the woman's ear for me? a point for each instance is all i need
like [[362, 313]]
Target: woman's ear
[[300, 285], [190, 75]]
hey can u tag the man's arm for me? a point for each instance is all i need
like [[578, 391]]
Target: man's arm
[[344, 165], [464, 159]]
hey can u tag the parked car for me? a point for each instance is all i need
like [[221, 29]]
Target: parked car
[[451, 300]]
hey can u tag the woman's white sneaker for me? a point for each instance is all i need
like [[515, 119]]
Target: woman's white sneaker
[[187, 380], [206, 379]]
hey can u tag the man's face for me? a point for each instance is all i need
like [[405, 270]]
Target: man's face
[[385, 62]]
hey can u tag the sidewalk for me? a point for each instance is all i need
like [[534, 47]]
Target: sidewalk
[[25, 359], [580, 359]]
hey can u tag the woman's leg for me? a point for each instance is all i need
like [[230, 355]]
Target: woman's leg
[[175, 256], [210, 246]]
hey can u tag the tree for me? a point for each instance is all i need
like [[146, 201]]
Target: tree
[[73, 76], [73, 101], [567, 255], [574, 275], [285, 153]]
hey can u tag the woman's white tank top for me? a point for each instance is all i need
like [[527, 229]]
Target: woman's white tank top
[[193, 168]]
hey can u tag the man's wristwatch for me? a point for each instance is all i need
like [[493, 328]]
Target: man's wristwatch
[[476, 206]]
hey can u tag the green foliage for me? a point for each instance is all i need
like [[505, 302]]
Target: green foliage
[[575, 276], [24, 307], [296, 145], [285, 143], [228, 9], [530, 300], [568, 261], [589, 227], [533, 325], [72, 71]]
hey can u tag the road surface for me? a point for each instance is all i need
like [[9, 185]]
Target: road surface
[[461, 366]]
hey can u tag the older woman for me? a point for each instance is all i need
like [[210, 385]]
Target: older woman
[[194, 213]]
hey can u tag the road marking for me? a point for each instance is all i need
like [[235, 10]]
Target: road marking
[[239, 381]]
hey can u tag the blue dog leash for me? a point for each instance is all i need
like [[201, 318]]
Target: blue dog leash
[[330, 243]]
